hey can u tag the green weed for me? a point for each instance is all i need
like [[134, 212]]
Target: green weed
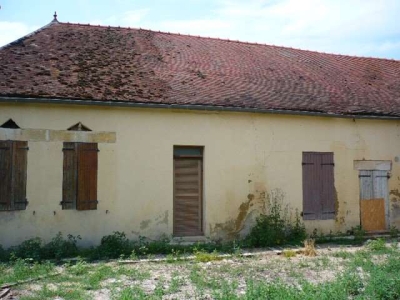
[[275, 227], [288, 253], [23, 269], [377, 245], [201, 256]]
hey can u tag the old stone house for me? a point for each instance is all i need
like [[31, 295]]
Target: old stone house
[[115, 129]]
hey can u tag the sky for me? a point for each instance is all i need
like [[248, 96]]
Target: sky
[[353, 27]]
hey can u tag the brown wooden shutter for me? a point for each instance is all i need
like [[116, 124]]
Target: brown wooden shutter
[[70, 176], [311, 191], [188, 196], [87, 176], [318, 186], [5, 174], [327, 186], [20, 159]]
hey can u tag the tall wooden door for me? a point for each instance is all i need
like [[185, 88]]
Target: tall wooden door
[[188, 188], [374, 200]]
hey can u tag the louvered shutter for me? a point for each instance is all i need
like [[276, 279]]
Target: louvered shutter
[[20, 155], [5, 174], [327, 186], [311, 190], [70, 176], [187, 197], [87, 176]]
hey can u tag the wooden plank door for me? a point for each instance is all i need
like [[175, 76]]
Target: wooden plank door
[[374, 209], [188, 187]]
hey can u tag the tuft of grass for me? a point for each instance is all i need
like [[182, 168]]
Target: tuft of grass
[[93, 280], [80, 268], [175, 283], [288, 253], [343, 254], [309, 248], [202, 256], [377, 245], [130, 293]]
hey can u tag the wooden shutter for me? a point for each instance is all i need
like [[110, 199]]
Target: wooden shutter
[[70, 176], [327, 186], [87, 176], [188, 196], [311, 205], [5, 174], [318, 186], [20, 151]]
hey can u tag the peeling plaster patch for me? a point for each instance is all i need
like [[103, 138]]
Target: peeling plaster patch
[[340, 218], [395, 201], [144, 224], [396, 209], [395, 192], [248, 211]]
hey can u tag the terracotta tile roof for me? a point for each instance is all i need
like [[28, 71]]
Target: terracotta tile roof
[[75, 61]]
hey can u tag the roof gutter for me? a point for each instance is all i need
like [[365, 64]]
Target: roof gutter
[[190, 107]]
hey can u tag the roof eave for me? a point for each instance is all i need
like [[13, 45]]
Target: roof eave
[[4, 99]]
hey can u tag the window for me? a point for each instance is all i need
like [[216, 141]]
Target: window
[[318, 186], [80, 173], [80, 176], [13, 166]]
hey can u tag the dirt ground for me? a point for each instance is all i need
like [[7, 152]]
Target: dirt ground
[[175, 278]]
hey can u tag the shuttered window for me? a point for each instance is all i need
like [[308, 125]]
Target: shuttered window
[[13, 167], [318, 186], [80, 176]]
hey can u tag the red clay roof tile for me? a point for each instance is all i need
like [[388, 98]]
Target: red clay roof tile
[[74, 61]]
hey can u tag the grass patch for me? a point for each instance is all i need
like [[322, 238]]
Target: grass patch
[[23, 269], [202, 256], [370, 273], [288, 253]]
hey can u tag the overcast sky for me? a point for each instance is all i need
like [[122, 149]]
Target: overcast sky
[[355, 27]]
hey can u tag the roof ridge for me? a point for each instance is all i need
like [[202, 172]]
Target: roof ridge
[[228, 40], [54, 21]]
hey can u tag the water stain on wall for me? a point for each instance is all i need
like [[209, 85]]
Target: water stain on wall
[[247, 213], [161, 219], [395, 204], [145, 224]]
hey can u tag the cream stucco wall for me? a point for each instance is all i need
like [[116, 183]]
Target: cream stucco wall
[[245, 156]]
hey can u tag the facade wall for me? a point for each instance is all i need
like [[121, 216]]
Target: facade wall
[[246, 157]]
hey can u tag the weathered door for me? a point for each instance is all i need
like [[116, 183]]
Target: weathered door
[[374, 200], [188, 187]]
